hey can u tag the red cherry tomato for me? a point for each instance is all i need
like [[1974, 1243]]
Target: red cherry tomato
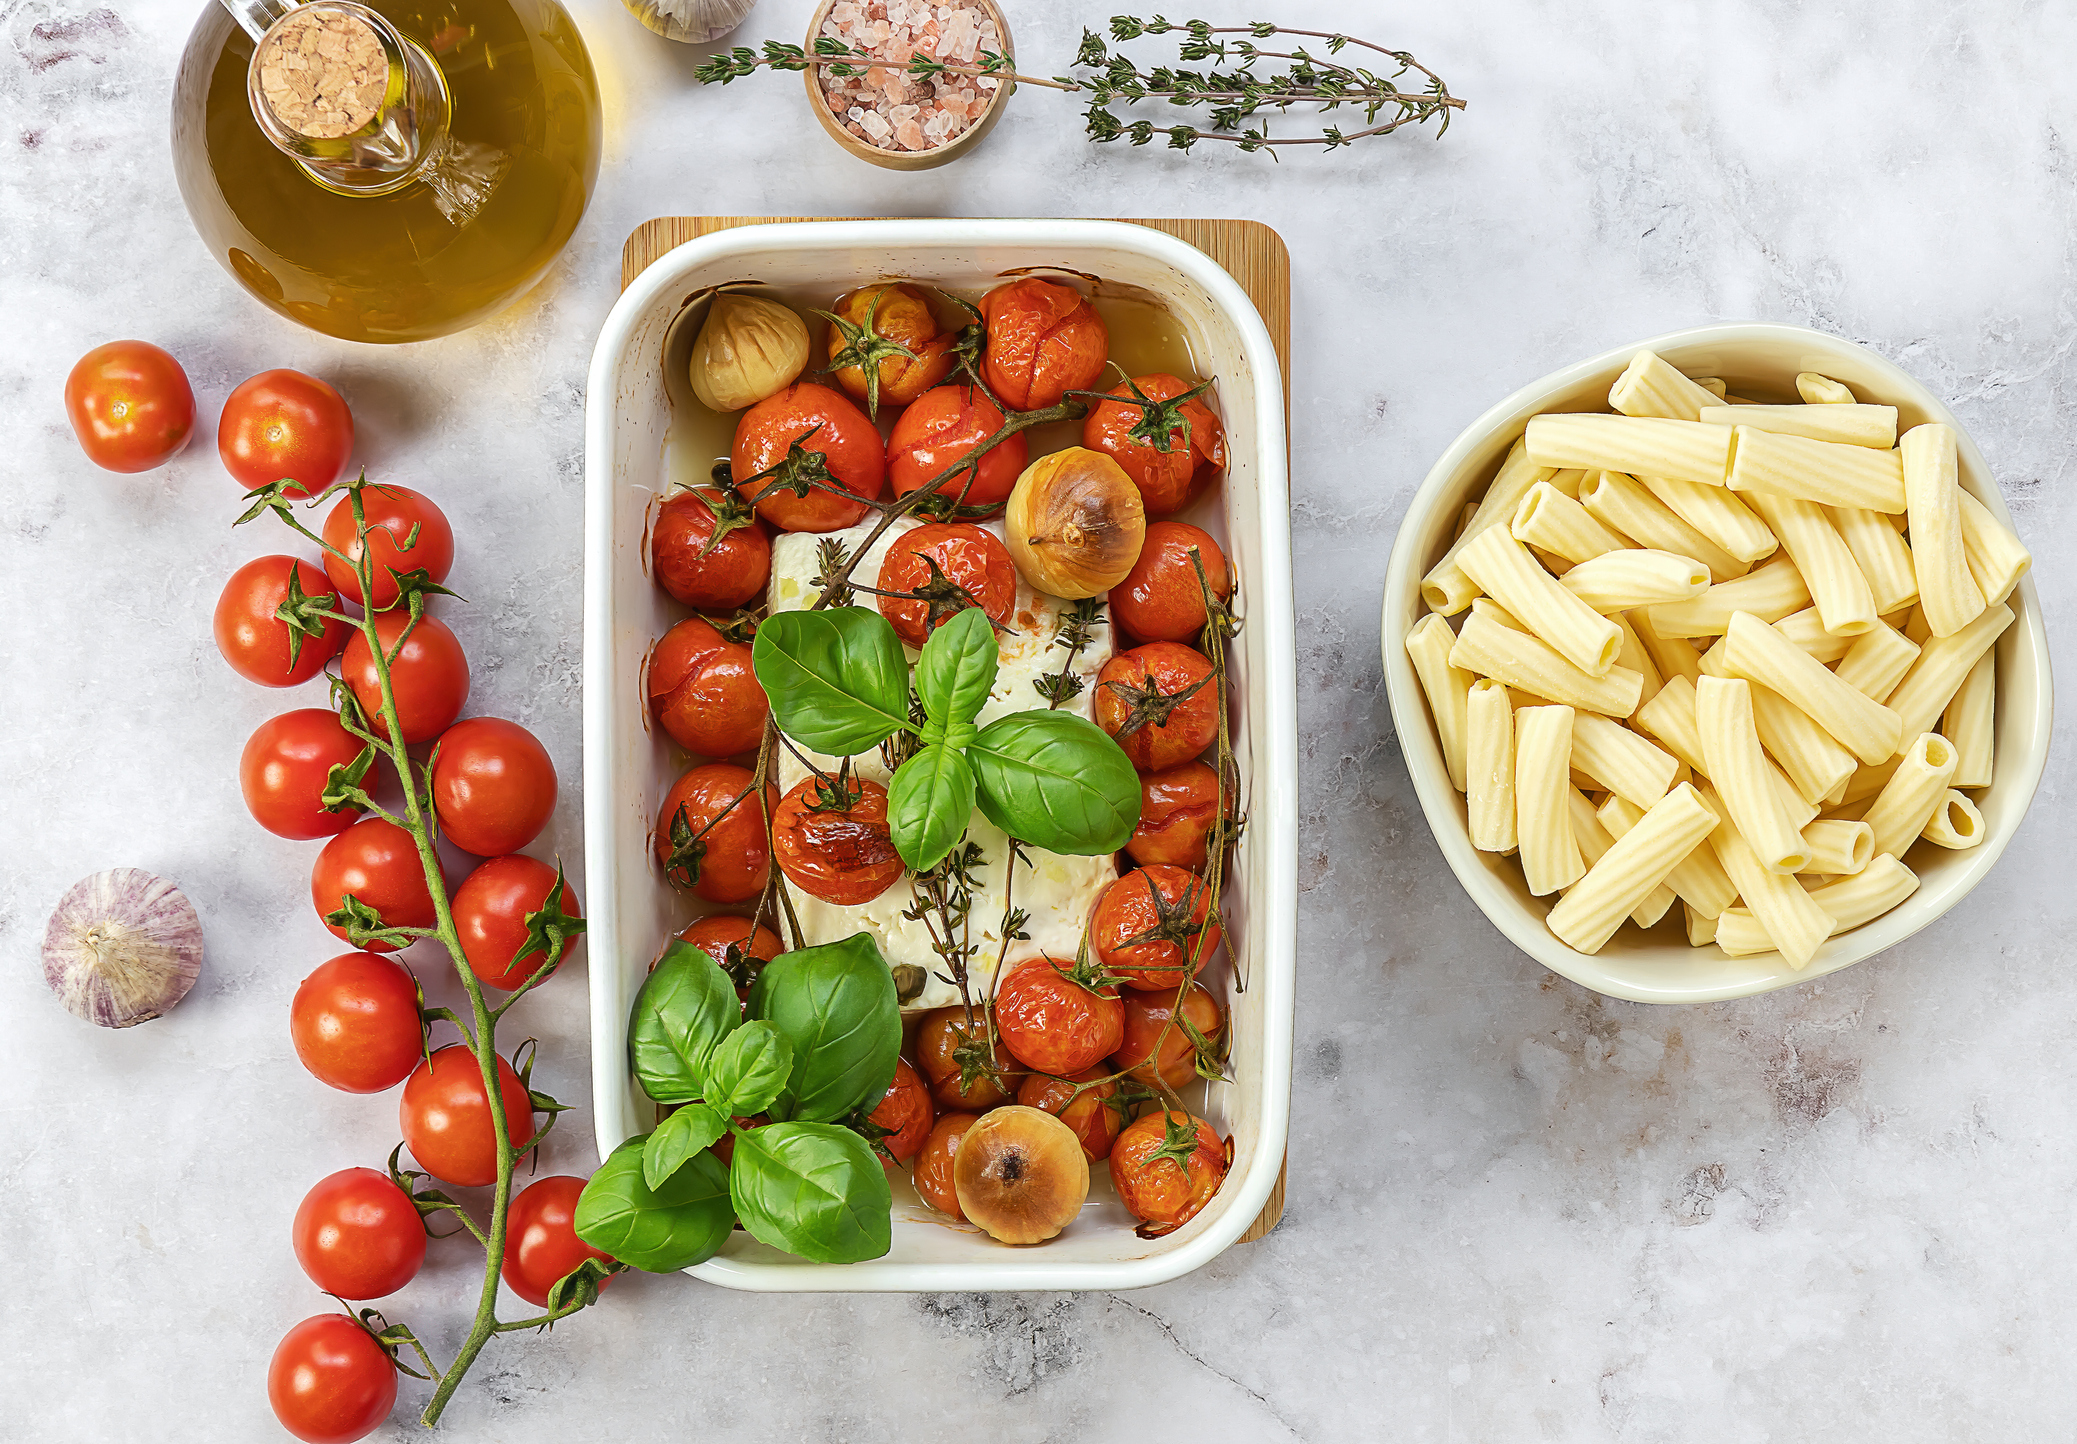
[[934, 1162], [940, 428], [284, 424], [493, 786], [1088, 1113], [717, 579], [430, 676], [943, 1032], [391, 513], [376, 861], [900, 313], [1147, 927], [970, 558], [843, 855], [1168, 480], [1160, 600], [1147, 1024], [356, 1025], [1176, 808], [130, 406], [823, 422], [358, 1235], [1161, 1192], [1160, 702], [905, 1109], [541, 1243], [703, 691], [284, 768], [729, 861], [717, 935], [257, 643], [1052, 1022], [1044, 340], [445, 1117], [330, 1382], [490, 912]]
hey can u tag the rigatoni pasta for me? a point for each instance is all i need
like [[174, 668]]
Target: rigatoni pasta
[[1446, 589], [1943, 665], [1487, 649], [1594, 841], [1618, 502], [1650, 386], [1955, 822], [1883, 556], [1717, 514], [1428, 646], [1852, 425], [1653, 446], [1737, 768], [1760, 654], [1837, 589], [1997, 559], [1489, 766], [1819, 390], [1698, 879], [1829, 473], [1617, 760], [1552, 521], [1630, 871], [1616, 581], [1774, 591], [1970, 724], [1543, 816], [1503, 568], [1877, 662], [1947, 592], [1905, 805]]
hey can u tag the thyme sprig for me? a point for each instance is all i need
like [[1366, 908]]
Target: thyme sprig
[[1077, 628]]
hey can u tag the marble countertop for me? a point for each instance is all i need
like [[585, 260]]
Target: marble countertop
[[1516, 1209]]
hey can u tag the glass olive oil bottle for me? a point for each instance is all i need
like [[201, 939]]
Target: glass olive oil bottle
[[386, 172]]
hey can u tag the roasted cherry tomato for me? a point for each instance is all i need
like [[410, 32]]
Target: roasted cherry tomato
[[737, 944], [356, 1025], [283, 424], [1147, 925], [1168, 480], [1176, 808], [714, 576], [974, 561], [837, 847], [941, 427], [1163, 1173], [1044, 340], [376, 861], [445, 1117], [358, 1235], [1055, 1018], [284, 769], [130, 406], [393, 513], [728, 862], [493, 786], [905, 1112], [541, 1243], [703, 691], [430, 676], [330, 1382], [490, 912], [826, 425], [1161, 703], [939, 1039], [1160, 600], [1088, 1112], [257, 643], [934, 1162], [1147, 1015], [896, 312]]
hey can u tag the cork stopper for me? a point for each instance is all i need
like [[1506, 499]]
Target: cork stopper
[[323, 73]]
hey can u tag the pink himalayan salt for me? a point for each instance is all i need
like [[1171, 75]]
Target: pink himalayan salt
[[891, 109]]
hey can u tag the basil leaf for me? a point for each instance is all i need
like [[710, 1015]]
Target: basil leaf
[[957, 668], [1057, 781], [683, 1223], [686, 1007], [838, 680], [813, 1189], [677, 1138], [929, 801], [749, 1069], [836, 1008]]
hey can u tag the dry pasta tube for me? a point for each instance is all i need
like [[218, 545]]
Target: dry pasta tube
[[1504, 570], [1737, 768], [1970, 724], [1653, 446], [1673, 656], [1837, 588], [1838, 848], [1630, 871], [1943, 665], [1617, 501], [1698, 878], [1826, 472], [1956, 822], [1487, 649], [1760, 654], [1883, 556], [1594, 840], [1446, 589], [1554, 522], [1634, 656], [1806, 752], [1566, 480], [1491, 610], [1850, 425], [1793, 922], [1718, 514], [1489, 767], [1877, 663], [1428, 646], [1617, 760], [1850, 901], [1822, 390], [1549, 853], [1775, 591], [1714, 385], [1807, 630], [1701, 930], [1651, 386], [1997, 558], [1947, 592], [1740, 935], [1670, 717], [1908, 800], [1635, 577], [1868, 781]]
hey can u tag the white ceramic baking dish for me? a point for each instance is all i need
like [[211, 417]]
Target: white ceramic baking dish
[[626, 770], [1758, 361]]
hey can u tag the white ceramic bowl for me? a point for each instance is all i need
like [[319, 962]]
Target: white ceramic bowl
[[1758, 361]]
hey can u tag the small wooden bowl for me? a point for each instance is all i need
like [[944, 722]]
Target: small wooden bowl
[[958, 146]]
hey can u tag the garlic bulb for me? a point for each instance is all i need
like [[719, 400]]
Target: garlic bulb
[[693, 21], [122, 948], [749, 349], [1075, 523]]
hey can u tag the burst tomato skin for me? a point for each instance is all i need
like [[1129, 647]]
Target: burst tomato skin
[[493, 786], [906, 1109], [1052, 1024], [1159, 600], [130, 405], [430, 676], [938, 1039], [902, 315], [736, 862], [1146, 1015], [285, 424], [1044, 340], [1176, 808], [849, 443], [1167, 481], [1127, 910], [969, 557], [704, 692], [490, 911], [541, 1243], [937, 430], [1192, 724], [358, 1236], [283, 770], [356, 1025], [844, 856], [1092, 1118], [391, 513], [727, 577], [330, 1382], [933, 1175], [445, 1117], [257, 643], [1162, 1193], [376, 861]]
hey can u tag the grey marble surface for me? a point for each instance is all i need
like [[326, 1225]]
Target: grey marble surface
[[1517, 1210]]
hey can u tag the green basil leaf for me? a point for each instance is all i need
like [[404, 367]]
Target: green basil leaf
[[836, 1008], [929, 802], [813, 1189], [686, 1007], [679, 1137], [838, 680], [1057, 781], [957, 668], [661, 1230], [749, 1069]]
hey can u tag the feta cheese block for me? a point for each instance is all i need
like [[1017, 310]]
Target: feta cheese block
[[1058, 892]]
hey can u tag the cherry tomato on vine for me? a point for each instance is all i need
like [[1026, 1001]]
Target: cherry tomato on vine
[[1148, 1024], [1176, 808], [836, 847], [898, 312], [940, 1039], [1160, 600], [1150, 924], [493, 786], [285, 424], [445, 1117], [1169, 480], [715, 935], [717, 578], [825, 424], [703, 691], [130, 405], [1044, 340], [257, 643], [430, 676], [541, 1243], [356, 1025], [1160, 702], [940, 428], [490, 912], [330, 1382], [709, 843], [1165, 1191], [391, 513], [358, 1235], [285, 767], [377, 862], [1088, 1113], [1053, 1020], [973, 560], [906, 1112], [933, 1175]]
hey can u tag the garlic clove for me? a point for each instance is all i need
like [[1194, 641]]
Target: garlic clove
[[1075, 523], [750, 348], [123, 947], [693, 21]]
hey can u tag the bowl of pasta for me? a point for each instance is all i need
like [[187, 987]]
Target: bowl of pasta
[[1715, 662]]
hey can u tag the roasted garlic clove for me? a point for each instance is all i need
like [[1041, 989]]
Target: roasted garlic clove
[[750, 348], [1075, 523], [1020, 1174]]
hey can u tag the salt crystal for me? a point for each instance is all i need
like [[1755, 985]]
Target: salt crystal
[[910, 134], [986, 83], [951, 105], [856, 112], [843, 10], [876, 125], [901, 113]]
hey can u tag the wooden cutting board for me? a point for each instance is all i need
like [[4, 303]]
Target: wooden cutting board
[[1252, 253]]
